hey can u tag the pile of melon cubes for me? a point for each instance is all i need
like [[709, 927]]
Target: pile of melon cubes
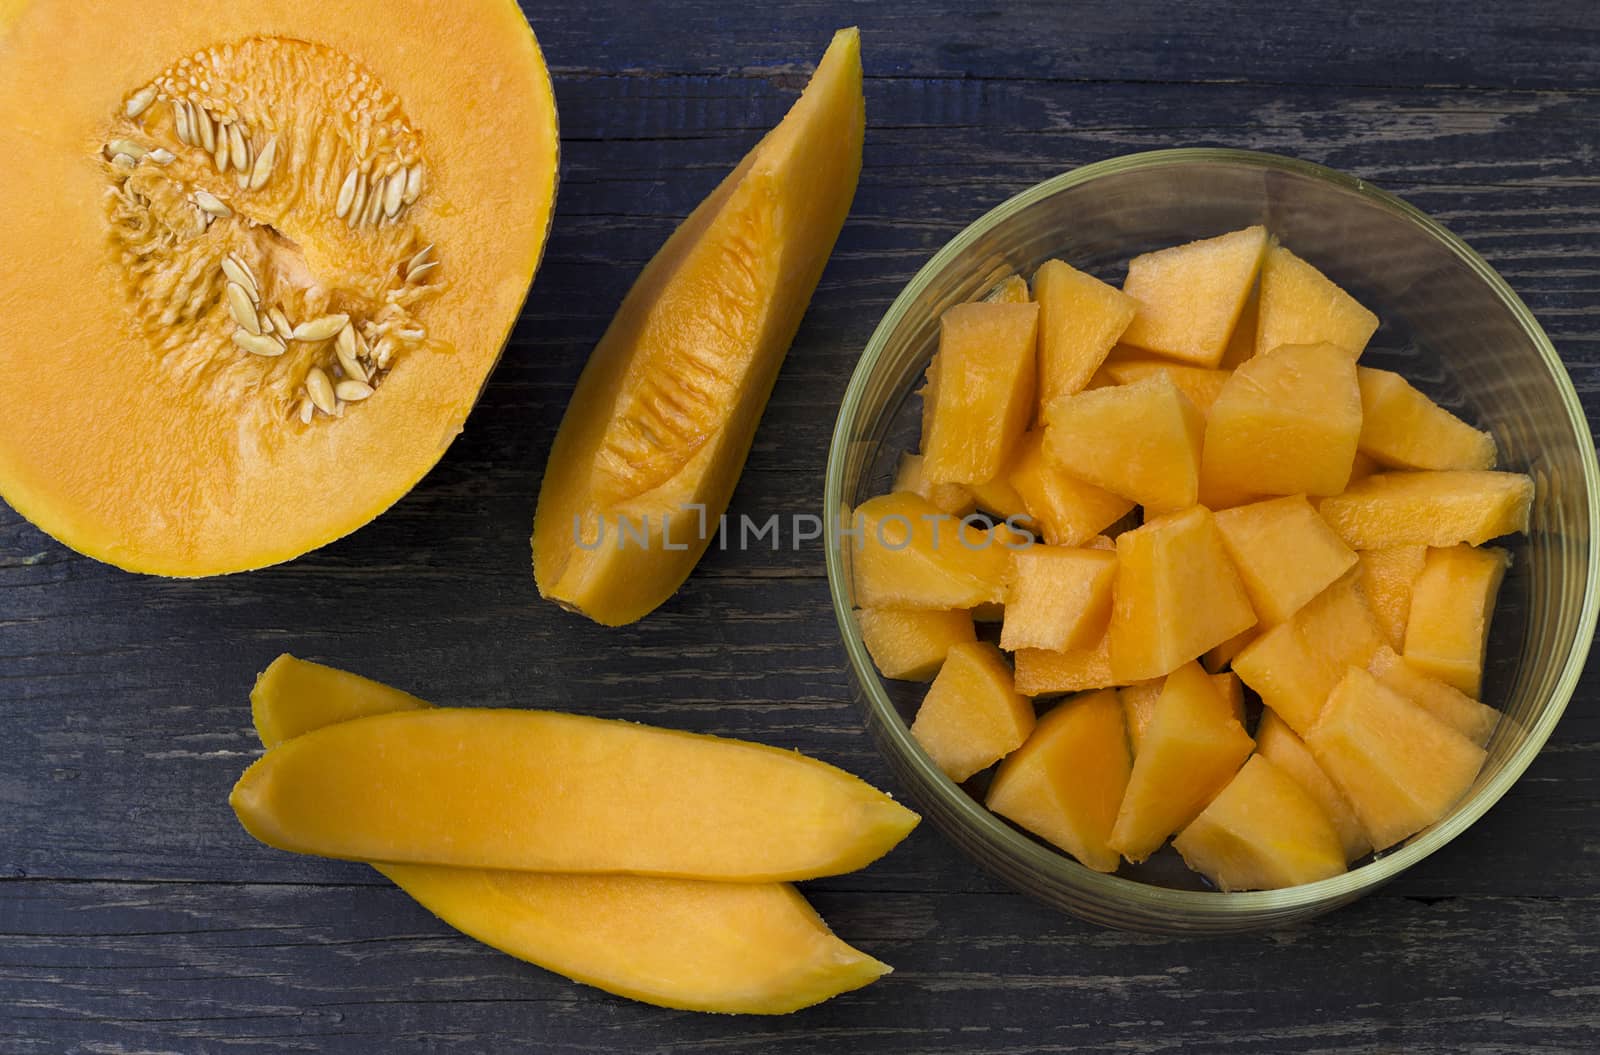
[[1257, 567]]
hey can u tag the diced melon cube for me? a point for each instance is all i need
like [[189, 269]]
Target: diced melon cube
[[1041, 672], [1387, 576], [1065, 784], [1452, 603], [1059, 598], [1080, 318], [1404, 429], [1176, 595], [1400, 767], [1284, 424], [950, 498], [973, 715], [1190, 296], [1262, 832], [1141, 441], [1139, 702], [1217, 658], [1430, 508], [1285, 553], [998, 498], [1200, 384], [1067, 510], [906, 553], [1190, 750], [1299, 305], [980, 390], [1450, 705], [911, 643], [1013, 289], [1242, 342], [1294, 665], [1278, 743]]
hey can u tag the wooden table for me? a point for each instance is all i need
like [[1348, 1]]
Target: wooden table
[[136, 916]]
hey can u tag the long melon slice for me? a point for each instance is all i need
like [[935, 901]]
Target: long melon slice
[[734, 948]]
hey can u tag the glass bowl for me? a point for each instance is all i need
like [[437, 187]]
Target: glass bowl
[[1451, 325]]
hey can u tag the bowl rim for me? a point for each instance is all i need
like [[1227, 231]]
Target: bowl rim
[[1201, 905]]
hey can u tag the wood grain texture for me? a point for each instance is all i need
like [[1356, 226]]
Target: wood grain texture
[[135, 916]]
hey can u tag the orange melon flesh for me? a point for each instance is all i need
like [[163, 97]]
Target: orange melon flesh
[[1065, 783], [1175, 596], [973, 715], [947, 498], [1080, 318], [981, 390], [1452, 604], [1473, 720], [664, 413], [1140, 441], [911, 643], [1068, 511], [1285, 423], [1041, 672], [150, 441], [1262, 832], [732, 948], [1059, 598], [1013, 289], [1285, 554], [1400, 767], [1294, 665], [906, 553], [998, 497], [1219, 657], [1198, 383], [1299, 305], [1191, 749], [1139, 703], [1387, 576], [1190, 296], [1430, 508], [1242, 342], [1276, 742], [1404, 429]]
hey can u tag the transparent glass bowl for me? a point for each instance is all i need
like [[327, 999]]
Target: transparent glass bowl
[[1450, 324]]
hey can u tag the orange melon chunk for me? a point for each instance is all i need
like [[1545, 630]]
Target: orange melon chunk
[[1080, 318], [1242, 342], [1299, 305], [998, 498], [907, 553], [949, 498], [1400, 767], [1041, 672], [1285, 553], [972, 716], [1278, 743], [1013, 289], [1067, 510], [1176, 594], [1430, 508], [1190, 750], [910, 643], [1197, 382], [1139, 702], [1059, 598], [1452, 603], [980, 390], [1285, 423], [1065, 784], [1190, 296], [1140, 441], [1263, 831], [1222, 655], [1387, 576], [1450, 705], [1294, 665], [1404, 429]]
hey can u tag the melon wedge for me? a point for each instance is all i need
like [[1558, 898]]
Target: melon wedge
[[980, 394], [973, 715], [1041, 672], [1299, 305], [1430, 508], [1139, 440], [1263, 831], [1473, 720], [1139, 702], [1278, 743], [1190, 296], [1201, 385], [907, 553], [1387, 576], [1067, 510], [1404, 429], [732, 948], [1452, 604], [1080, 319], [911, 643], [665, 411], [948, 498], [1285, 553], [1059, 598]]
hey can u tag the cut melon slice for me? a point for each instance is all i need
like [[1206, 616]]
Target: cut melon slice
[[1059, 598], [1197, 382], [1387, 576], [1242, 342], [1430, 508], [1040, 672], [1404, 429], [972, 716], [1278, 743], [907, 553], [948, 498], [981, 390], [1299, 305], [1190, 296], [1139, 703], [1080, 318], [1218, 658], [910, 643], [1285, 553], [1452, 603], [1140, 441], [998, 498], [1473, 720], [1067, 510]]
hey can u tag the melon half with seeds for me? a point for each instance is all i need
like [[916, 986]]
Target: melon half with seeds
[[273, 251]]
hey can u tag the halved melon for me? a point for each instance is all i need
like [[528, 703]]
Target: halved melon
[[235, 340]]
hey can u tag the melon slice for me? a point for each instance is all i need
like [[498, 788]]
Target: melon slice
[[662, 418], [1452, 603], [948, 498], [1262, 832], [973, 715], [906, 553], [1065, 784], [981, 390], [1430, 508], [1041, 672], [1080, 318], [1190, 296], [1404, 429], [291, 262], [1400, 767], [1387, 576], [1059, 598], [1221, 656], [1299, 305], [731, 948], [1139, 703], [1068, 511], [1285, 423], [1285, 554], [1201, 385], [911, 643], [1242, 342], [1276, 742], [1191, 749], [998, 497], [1473, 720], [1140, 441]]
